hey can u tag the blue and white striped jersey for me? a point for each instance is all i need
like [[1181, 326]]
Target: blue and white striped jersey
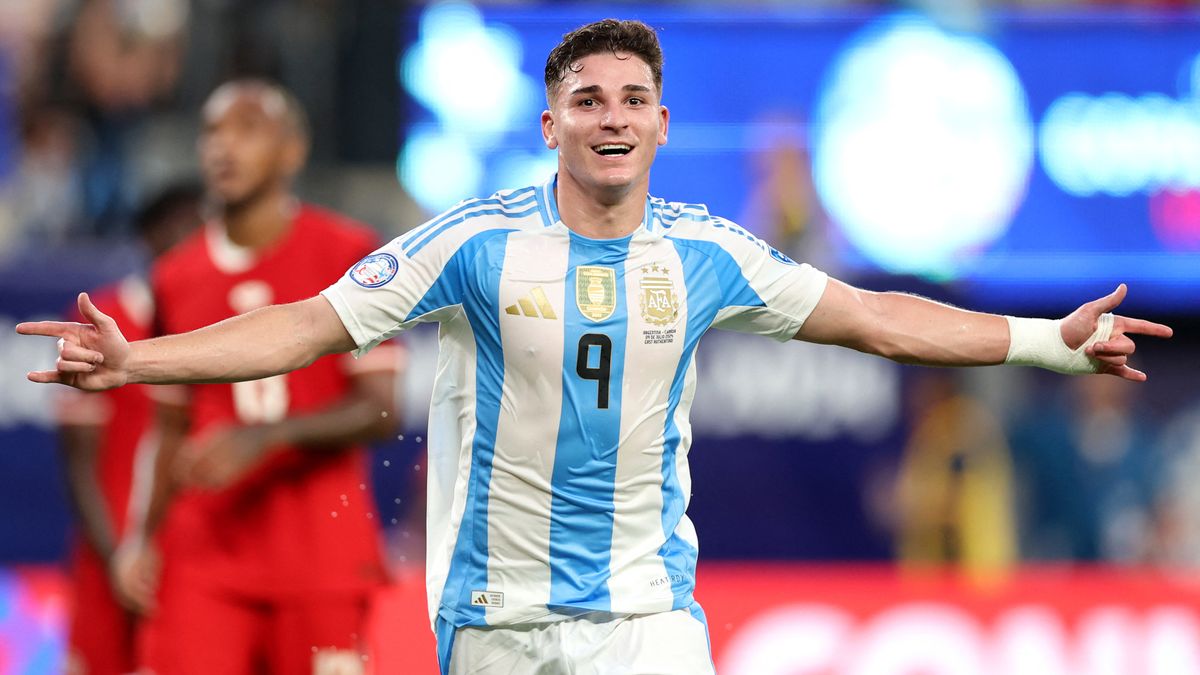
[[558, 431]]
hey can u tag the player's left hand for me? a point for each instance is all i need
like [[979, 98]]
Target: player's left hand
[[1114, 352], [219, 458]]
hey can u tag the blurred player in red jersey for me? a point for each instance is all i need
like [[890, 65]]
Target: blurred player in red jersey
[[102, 435], [269, 546]]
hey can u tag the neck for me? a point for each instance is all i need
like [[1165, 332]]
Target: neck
[[259, 222], [600, 214]]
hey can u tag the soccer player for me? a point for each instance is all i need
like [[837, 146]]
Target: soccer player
[[570, 313], [101, 435], [269, 545]]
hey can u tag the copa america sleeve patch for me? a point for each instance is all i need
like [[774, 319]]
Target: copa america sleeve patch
[[375, 270]]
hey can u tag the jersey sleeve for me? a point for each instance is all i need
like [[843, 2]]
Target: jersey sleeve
[[415, 278], [764, 291]]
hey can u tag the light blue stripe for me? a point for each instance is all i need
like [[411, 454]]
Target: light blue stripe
[[544, 195], [480, 272], [468, 216], [449, 288], [469, 204], [444, 632], [713, 281], [585, 460], [697, 613], [546, 201], [734, 290]]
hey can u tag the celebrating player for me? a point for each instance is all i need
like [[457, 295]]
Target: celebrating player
[[570, 314], [269, 545]]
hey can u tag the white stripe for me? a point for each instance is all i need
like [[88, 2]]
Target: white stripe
[[683, 413], [451, 434], [639, 582], [519, 499]]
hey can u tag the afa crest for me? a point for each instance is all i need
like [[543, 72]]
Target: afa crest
[[596, 291], [660, 303]]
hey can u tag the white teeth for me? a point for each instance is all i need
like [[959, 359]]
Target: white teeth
[[612, 146]]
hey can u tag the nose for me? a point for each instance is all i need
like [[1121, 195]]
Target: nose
[[614, 118]]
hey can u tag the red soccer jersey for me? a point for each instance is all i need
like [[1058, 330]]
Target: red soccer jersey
[[302, 523], [125, 412]]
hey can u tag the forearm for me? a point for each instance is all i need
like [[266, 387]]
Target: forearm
[[91, 509], [354, 419], [153, 484], [915, 330], [265, 342]]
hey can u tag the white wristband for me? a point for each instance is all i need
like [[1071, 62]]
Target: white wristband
[[1038, 342]]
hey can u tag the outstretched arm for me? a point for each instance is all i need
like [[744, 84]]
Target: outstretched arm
[[267, 341], [910, 329], [366, 413]]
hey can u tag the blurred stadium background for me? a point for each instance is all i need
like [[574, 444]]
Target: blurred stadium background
[[855, 516]]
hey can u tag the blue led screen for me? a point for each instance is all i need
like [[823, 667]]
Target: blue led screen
[[1028, 164]]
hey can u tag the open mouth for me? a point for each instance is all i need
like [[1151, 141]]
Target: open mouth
[[612, 149]]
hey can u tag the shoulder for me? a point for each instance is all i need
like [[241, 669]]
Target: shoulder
[[498, 209], [331, 241], [188, 255], [693, 226], [671, 214], [476, 219], [680, 219], [331, 224]]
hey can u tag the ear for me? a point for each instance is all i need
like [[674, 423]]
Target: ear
[[548, 130], [295, 154], [664, 119]]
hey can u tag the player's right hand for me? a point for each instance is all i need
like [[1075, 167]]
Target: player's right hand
[[133, 572], [91, 356]]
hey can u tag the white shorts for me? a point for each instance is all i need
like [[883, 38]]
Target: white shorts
[[668, 643]]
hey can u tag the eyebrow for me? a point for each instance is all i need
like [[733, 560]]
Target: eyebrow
[[595, 89]]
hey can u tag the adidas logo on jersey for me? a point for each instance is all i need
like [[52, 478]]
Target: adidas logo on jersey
[[536, 305]]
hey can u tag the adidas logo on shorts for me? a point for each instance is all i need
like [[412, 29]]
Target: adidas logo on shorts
[[487, 599]]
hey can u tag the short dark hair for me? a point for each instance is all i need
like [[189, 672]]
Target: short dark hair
[[609, 35], [293, 115], [175, 197]]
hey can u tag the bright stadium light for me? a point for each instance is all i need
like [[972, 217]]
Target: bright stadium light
[[467, 75], [922, 145], [437, 168]]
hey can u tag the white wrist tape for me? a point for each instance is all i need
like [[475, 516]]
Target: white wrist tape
[[1038, 342]]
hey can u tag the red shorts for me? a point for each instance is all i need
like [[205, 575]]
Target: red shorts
[[202, 631], [101, 633]]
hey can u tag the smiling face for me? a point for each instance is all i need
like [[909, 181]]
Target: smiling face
[[606, 122], [248, 146]]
